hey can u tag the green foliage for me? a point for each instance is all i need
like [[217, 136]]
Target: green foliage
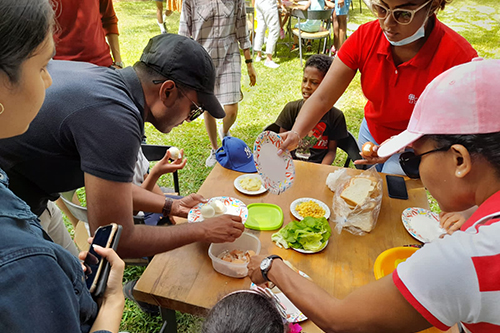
[[475, 20]]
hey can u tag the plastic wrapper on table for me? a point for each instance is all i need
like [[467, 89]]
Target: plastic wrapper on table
[[361, 218]]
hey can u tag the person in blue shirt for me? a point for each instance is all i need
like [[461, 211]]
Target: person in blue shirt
[[42, 285]]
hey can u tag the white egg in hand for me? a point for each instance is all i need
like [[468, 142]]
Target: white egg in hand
[[175, 153], [207, 211], [218, 207]]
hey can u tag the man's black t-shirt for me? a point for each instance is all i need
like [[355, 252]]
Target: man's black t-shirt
[[91, 122], [331, 127]]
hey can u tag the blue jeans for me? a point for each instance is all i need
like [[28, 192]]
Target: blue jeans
[[392, 164]]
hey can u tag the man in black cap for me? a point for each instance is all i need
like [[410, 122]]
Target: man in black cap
[[89, 131]]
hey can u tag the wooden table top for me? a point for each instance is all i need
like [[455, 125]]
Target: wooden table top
[[183, 279]]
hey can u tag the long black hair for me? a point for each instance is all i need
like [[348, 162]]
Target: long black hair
[[485, 146], [24, 25]]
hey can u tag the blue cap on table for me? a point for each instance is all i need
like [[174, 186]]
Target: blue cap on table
[[235, 155]]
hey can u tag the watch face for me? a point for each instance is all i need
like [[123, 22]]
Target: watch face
[[264, 265]]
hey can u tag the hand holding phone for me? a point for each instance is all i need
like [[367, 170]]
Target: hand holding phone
[[98, 268]]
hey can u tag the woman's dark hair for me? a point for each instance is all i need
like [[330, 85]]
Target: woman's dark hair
[[320, 61], [479, 145], [24, 25], [244, 312]]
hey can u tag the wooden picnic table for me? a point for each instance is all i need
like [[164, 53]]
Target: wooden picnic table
[[183, 279]]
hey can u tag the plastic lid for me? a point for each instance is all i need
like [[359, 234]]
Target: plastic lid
[[264, 216]]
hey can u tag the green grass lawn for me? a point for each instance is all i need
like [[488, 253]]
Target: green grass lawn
[[476, 20]]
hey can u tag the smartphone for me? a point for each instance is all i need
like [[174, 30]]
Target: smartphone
[[396, 187], [98, 268]]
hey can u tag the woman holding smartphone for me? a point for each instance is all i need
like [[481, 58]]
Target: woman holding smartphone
[[42, 285], [397, 55]]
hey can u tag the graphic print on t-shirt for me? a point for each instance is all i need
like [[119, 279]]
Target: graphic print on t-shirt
[[314, 139]]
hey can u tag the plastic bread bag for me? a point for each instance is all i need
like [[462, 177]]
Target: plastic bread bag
[[357, 201]]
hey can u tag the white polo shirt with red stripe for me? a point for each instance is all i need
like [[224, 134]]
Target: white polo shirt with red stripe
[[457, 279]]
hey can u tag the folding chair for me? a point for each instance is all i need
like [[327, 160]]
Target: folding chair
[[324, 33], [351, 147]]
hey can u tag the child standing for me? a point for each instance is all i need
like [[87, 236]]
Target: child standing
[[267, 17], [320, 145], [340, 23]]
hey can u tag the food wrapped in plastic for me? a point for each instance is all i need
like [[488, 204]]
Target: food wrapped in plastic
[[332, 179], [356, 202]]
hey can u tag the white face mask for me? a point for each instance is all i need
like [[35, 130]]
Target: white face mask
[[420, 33]]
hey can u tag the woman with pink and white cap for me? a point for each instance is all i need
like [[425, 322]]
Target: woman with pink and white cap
[[455, 135]]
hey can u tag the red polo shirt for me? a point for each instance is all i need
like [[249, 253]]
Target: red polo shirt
[[391, 90], [82, 30]]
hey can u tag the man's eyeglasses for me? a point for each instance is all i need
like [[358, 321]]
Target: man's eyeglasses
[[194, 113], [410, 162], [402, 16]]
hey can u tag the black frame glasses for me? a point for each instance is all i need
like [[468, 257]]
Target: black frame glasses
[[401, 16], [410, 162], [193, 113]]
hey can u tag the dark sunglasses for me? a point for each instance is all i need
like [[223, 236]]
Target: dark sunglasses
[[195, 112], [410, 162]]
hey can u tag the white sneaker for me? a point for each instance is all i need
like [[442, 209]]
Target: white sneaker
[[163, 27], [211, 160], [271, 64], [223, 135], [258, 59]]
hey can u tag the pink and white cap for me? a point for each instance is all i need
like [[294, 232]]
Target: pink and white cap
[[463, 100]]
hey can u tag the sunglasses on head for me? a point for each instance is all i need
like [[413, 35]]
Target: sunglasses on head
[[402, 16], [410, 162]]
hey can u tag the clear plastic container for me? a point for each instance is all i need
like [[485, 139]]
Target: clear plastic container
[[245, 242]]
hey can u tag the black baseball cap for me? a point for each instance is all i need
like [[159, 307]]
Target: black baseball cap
[[183, 60]]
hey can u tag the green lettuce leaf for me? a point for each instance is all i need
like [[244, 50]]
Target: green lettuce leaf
[[309, 234]]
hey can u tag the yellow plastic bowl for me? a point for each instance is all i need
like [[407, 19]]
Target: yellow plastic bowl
[[388, 260]]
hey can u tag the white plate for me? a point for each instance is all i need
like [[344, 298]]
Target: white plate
[[422, 224], [293, 314], [300, 200], [233, 207], [308, 252], [277, 172], [242, 190]]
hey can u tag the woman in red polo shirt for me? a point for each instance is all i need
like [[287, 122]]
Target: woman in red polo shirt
[[397, 55]]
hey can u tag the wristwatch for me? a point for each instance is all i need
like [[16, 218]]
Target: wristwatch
[[266, 264]]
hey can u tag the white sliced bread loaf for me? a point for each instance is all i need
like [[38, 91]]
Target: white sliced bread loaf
[[357, 191]]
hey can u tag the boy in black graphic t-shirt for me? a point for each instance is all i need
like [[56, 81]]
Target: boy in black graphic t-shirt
[[320, 145]]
